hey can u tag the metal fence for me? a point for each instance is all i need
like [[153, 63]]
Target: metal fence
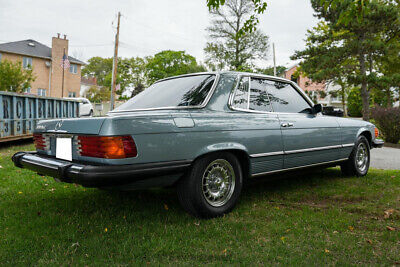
[[19, 113]]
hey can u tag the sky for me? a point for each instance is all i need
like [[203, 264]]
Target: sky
[[147, 26]]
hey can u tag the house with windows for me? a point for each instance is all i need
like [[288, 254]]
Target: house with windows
[[318, 92], [46, 63]]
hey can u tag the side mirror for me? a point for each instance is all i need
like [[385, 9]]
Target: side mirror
[[317, 108]]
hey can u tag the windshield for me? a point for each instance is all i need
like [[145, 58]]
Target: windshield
[[177, 92]]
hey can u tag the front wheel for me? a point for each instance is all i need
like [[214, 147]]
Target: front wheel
[[212, 187], [358, 162]]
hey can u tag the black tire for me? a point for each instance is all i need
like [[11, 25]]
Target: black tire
[[91, 113], [352, 166], [192, 190]]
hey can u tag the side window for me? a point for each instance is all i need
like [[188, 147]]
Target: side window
[[285, 98], [241, 97], [259, 97]]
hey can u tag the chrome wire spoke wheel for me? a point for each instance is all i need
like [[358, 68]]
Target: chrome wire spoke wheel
[[218, 182], [362, 157]]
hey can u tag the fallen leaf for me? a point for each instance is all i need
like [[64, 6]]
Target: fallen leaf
[[351, 228], [106, 230], [197, 223], [387, 213], [288, 230], [165, 206], [224, 251], [1, 167], [75, 244], [46, 184], [327, 251], [390, 228], [335, 232], [369, 241], [283, 239], [277, 208], [19, 192]]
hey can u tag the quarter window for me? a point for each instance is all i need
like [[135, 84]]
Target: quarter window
[[27, 62], [285, 98], [241, 97]]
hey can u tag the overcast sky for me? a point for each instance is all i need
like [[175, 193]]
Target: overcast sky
[[147, 26]]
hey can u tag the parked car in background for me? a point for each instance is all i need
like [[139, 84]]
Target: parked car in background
[[85, 107], [332, 111], [205, 133]]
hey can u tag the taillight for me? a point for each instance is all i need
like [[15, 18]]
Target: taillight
[[109, 147], [376, 132], [41, 141]]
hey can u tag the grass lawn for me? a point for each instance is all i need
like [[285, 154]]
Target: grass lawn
[[314, 218]]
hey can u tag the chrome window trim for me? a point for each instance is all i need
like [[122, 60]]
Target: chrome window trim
[[270, 78], [299, 167], [204, 104]]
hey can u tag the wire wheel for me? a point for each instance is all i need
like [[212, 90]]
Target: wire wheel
[[218, 183]]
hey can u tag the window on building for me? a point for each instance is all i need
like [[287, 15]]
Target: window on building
[[294, 78], [41, 92], [71, 94], [28, 90], [27, 62], [285, 98], [73, 68]]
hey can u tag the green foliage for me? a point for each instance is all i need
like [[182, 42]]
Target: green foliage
[[232, 47], [14, 78], [354, 103], [259, 7], [353, 44], [388, 122], [170, 63], [98, 94], [280, 70]]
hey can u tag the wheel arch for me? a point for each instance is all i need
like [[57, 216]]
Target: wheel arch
[[367, 134], [237, 150]]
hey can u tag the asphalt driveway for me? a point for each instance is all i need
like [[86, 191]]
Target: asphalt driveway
[[386, 158]]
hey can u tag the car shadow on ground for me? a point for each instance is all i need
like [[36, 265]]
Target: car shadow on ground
[[157, 204]]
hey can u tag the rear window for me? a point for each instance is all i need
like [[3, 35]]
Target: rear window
[[177, 92]]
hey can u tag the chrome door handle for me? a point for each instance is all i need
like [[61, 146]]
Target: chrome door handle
[[289, 124]]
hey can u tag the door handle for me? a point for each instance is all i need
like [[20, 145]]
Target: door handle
[[289, 124]]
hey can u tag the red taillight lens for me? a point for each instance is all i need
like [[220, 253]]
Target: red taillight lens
[[109, 147], [41, 141]]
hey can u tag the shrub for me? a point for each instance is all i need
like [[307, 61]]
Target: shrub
[[388, 122]]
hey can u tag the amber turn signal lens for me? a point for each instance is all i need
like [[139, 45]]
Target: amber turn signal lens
[[376, 132]]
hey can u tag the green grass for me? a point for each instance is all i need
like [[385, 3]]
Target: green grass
[[313, 218]]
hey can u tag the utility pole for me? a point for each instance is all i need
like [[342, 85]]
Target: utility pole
[[273, 51], [115, 65]]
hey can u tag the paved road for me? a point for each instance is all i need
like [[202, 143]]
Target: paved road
[[385, 158]]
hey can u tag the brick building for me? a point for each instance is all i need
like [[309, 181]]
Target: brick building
[[46, 65]]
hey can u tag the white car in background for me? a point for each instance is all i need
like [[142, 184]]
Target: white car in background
[[85, 107]]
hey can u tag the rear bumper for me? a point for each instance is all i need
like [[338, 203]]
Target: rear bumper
[[97, 176], [377, 143]]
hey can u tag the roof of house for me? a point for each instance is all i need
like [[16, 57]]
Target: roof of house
[[32, 48]]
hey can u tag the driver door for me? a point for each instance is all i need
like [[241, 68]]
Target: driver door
[[308, 139]]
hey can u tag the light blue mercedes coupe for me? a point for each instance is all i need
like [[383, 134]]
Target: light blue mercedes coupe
[[205, 133]]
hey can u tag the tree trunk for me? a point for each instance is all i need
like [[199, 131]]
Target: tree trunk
[[389, 103], [364, 89]]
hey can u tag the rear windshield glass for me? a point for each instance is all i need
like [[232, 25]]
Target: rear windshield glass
[[178, 92]]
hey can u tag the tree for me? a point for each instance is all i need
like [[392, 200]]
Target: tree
[[232, 47], [170, 63], [354, 36], [13, 78], [251, 22], [98, 94], [280, 70]]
